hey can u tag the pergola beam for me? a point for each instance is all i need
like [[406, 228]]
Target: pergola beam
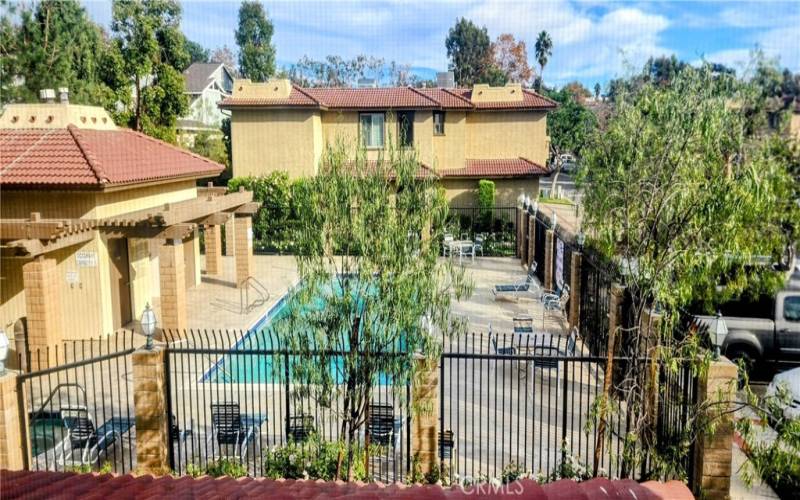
[[34, 247]]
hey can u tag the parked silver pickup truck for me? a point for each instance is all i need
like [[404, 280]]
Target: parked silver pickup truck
[[755, 340]]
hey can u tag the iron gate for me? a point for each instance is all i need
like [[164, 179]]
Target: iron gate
[[245, 377], [80, 406]]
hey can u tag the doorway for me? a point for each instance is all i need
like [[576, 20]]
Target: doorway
[[120, 282]]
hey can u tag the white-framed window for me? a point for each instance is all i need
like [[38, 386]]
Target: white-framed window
[[438, 123], [372, 126]]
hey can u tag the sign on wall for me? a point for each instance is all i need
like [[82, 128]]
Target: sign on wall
[[73, 278], [86, 259]]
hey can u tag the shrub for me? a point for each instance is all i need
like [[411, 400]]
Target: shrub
[[486, 193], [315, 459], [225, 467]]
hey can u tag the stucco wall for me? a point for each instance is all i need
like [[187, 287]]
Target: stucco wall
[[464, 192], [794, 126], [86, 297], [508, 135], [264, 141], [449, 149]]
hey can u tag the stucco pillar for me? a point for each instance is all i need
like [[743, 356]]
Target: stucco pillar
[[213, 238], [191, 255], [575, 290], [713, 452], [531, 250], [172, 269], [520, 217], [150, 402], [549, 237], [43, 309], [11, 424], [230, 237], [425, 419], [243, 242]]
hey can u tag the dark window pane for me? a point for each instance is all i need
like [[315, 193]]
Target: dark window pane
[[405, 123]]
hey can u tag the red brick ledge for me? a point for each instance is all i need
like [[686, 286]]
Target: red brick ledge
[[44, 484]]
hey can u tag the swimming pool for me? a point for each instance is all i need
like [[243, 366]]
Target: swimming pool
[[259, 357]]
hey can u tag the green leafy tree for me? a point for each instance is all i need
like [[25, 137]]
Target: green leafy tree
[[368, 241], [469, 50], [335, 71], [597, 90], [55, 44], [254, 38], [662, 70], [543, 49], [147, 34], [197, 53], [486, 200], [571, 125], [677, 189]]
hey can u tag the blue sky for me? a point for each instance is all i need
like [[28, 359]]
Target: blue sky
[[593, 41]]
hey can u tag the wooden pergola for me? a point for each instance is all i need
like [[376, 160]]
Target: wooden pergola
[[37, 236]]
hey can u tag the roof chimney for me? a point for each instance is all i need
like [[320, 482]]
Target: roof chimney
[[47, 95], [63, 95]]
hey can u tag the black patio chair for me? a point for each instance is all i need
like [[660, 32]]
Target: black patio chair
[[91, 440], [300, 427], [380, 424], [446, 445], [230, 427]]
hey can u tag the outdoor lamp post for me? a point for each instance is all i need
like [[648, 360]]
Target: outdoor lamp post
[[581, 239], [535, 207], [521, 199], [555, 219], [526, 202], [148, 323], [718, 335], [3, 351]]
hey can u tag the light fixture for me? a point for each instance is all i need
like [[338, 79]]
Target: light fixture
[[528, 201], [3, 351], [525, 201], [555, 219], [536, 207], [719, 334], [521, 199], [581, 239], [148, 323]]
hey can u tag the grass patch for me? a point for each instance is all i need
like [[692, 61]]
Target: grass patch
[[556, 201]]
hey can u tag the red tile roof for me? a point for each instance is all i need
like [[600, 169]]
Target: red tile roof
[[43, 484], [388, 98], [513, 167], [81, 157]]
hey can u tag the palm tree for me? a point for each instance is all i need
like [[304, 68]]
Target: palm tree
[[544, 49]]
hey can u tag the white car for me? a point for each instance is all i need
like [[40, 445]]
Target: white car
[[789, 379]]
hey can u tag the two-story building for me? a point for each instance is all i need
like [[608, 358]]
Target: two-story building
[[463, 135], [207, 84], [97, 221]]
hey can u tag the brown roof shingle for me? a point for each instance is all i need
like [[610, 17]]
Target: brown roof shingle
[[44, 484], [82, 157], [512, 167]]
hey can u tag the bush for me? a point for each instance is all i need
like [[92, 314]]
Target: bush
[[276, 220], [486, 193], [225, 467], [315, 459]]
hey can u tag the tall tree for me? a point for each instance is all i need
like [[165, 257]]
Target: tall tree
[[197, 53], [335, 71], [578, 91], [544, 49], [678, 189], [597, 90], [147, 33], [254, 38], [662, 70], [387, 295], [511, 58], [469, 50], [225, 56], [55, 44]]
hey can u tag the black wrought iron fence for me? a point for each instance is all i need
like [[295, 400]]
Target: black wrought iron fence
[[539, 239], [497, 226], [79, 406], [596, 280], [530, 405], [236, 395]]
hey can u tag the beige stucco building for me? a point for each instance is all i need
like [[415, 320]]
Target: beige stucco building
[[97, 222], [464, 135]]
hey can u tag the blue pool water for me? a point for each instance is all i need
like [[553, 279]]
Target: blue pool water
[[266, 367]]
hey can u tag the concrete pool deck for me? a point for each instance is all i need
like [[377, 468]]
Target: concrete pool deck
[[216, 303]]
